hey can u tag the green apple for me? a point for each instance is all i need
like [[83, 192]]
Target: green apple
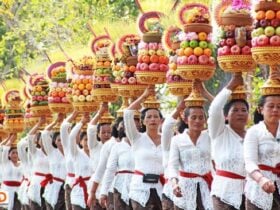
[[277, 31], [193, 44], [203, 44], [269, 31], [184, 44]]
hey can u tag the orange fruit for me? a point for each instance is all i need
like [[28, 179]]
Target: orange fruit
[[132, 68], [78, 81], [188, 51], [75, 86], [260, 15], [202, 36], [107, 63], [61, 94], [88, 86], [126, 68], [54, 94], [198, 51], [39, 88], [85, 81], [278, 14], [81, 87], [269, 14], [207, 52], [180, 52]]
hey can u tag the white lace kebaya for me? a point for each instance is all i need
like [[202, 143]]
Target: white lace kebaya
[[57, 169], [190, 158], [40, 164], [261, 148], [227, 153], [120, 167], [166, 136], [148, 160]]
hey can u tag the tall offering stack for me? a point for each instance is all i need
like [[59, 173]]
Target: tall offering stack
[[82, 85], [195, 57], [39, 92], [60, 90], [14, 114], [266, 42], [124, 71], [3, 133], [176, 84], [234, 52], [152, 61]]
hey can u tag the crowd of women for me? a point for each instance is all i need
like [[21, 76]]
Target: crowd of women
[[211, 161]]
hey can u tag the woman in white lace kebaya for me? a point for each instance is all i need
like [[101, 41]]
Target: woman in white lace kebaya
[[40, 167], [54, 189], [190, 163], [227, 147], [262, 157], [26, 165], [11, 172], [167, 134], [119, 170], [79, 152], [147, 180]]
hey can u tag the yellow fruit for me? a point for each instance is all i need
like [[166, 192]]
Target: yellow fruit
[[198, 51]]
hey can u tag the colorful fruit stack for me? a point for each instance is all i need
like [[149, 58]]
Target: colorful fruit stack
[[59, 89], [14, 114], [265, 42], [3, 133], [195, 57], [152, 61], [176, 84], [82, 86], [102, 75], [124, 71], [234, 52], [39, 93]]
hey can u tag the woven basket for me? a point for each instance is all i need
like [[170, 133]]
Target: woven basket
[[12, 127], [114, 88], [83, 72], [85, 106], [152, 37], [198, 27], [236, 63], [40, 110], [191, 72], [61, 108], [180, 88], [150, 77], [267, 6], [271, 87], [104, 95], [237, 19], [266, 55], [131, 90]]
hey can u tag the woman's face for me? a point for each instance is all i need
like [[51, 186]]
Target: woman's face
[[271, 109], [83, 142], [58, 142], [105, 132], [13, 155], [152, 119], [196, 119], [238, 115]]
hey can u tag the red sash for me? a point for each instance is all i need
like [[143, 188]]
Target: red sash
[[71, 175], [274, 170], [229, 174], [81, 181], [207, 177], [12, 183], [49, 178]]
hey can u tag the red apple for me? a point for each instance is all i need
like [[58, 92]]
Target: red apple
[[132, 80], [246, 50], [223, 43], [262, 40], [192, 59], [40, 98], [274, 40], [230, 42], [225, 50], [275, 23], [235, 50], [124, 80], [203, 59], [254, 42], [163, 67]]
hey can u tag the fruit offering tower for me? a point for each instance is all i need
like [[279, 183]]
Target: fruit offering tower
[[39, 92], [3, 133], [124, 71], [176, 84], [82, 85], [60, 90], [102, 75], [266, 41], [234, 50], [14, 121], [195, 57], [152, 61]]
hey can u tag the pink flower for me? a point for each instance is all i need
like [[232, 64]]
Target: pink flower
[[192, 36]]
